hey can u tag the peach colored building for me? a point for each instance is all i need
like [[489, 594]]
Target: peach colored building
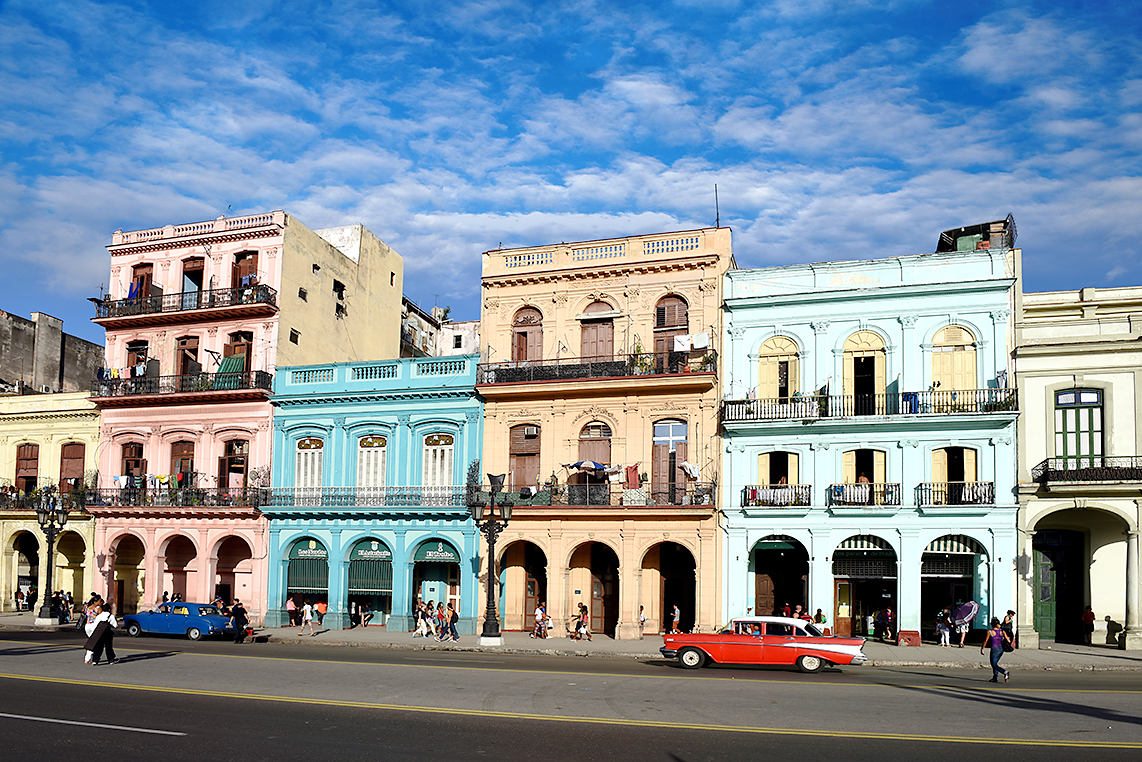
[[607, 351], [198, 317]]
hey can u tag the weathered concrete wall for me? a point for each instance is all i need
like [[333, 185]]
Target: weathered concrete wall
[[38, 354]]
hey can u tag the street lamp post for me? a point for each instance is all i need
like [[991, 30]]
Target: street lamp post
[[51, 513], [490, 635]]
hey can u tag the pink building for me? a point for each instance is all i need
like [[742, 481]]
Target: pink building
[[198, 317]]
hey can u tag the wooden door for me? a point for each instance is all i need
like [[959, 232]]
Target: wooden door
[[27, 466], [598, 605], [71, 464], [764, 597], [182, 460], [1045, 607], [530, 601], [843, 609]]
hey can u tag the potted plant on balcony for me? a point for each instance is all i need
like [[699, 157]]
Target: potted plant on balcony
[[641, 362]]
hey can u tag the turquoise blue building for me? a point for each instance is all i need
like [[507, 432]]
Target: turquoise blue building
[[368, 506], [869, 420]]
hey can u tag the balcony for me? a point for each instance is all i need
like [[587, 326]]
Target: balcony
[[368, 497], [863, 495], [777, 495], [693, 368], [817, 406], [955, 493], [611, 495], [1088, 468], [176, 497], [188, 306], [186, 389]]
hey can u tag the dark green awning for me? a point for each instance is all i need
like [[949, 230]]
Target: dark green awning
[[435, 550]]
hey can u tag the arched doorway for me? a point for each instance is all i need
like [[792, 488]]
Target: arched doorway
[[370, 580], [953, 570], [780, 568], [71, 551], [527, 335], [307, 575], [594, 582], [668, 580], [233, 576], [129, 555], [523, 584], [864, 573], [436, 572], [864, 374], [26, 547], [180, 572]]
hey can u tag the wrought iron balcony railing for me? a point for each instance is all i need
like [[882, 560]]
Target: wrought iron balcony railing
[[1089, 468], [777, 495], [864, 494], [613, 366], [844, 405], [690, 493], [178, 497], [193, 382], [187, 300], [377, 497], [955, 493]]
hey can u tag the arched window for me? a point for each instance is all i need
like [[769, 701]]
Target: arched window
[[598, 331], [953, 359], [27, 466], [438, 451], [233, 467], [527, 335], [371, 462], [307, 463], [71, 462], [864, 374], [777, 367]]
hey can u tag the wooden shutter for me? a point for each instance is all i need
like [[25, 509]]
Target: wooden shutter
[[940, 466], [535, 343], [848, 468], [71, 458], [597, 449], [794, 471], [763, 468], [659, 466], [970, 474], [879, 370], [850, 369], [589, 345], [27, 466], [879, 469], [680, 478], [519, 346], [767, 380]]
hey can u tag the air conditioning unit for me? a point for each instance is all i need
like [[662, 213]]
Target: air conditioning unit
[[530, 432]]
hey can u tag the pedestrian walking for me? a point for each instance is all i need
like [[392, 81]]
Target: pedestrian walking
[[996, 637], [421, 622], [583, 627], [306, 619], [540, 629], [102, 637], [962, 629], [676, 618], [641, 622], [321, 608], [944, 628], [291, 610], [1088, 625], [1009, 627], [238, 620], [453, 618]]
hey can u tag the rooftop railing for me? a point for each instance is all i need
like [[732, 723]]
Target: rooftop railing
[[1089, 468], [612, 366], [846, 405], [187, 300], [186, 384]]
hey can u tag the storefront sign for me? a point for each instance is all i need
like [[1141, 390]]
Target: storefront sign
[[437, 551], [308, 549], [370, 550]]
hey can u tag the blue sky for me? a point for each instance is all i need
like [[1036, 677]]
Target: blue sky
[[834, 129]]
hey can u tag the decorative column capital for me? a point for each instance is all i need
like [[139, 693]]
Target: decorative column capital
[[820, 326], [908, 321]]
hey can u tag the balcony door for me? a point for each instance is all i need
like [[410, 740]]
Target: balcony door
[[864, 373], [597, 333], [1078, 428], [233, 467], [777, 468], [182, 463], [870, 464], [133, 463], [523, 444], [953, 359], [192, 270], [668, 452], [240, 343], [27, 467], [186, 356], [671, 319], [71, 462], [527, 335], [244, 272], [777, 367]]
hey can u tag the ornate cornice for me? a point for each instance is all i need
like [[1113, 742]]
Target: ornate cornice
[[118, 250]]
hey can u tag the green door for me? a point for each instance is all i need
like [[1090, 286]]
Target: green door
[[1045, 595]]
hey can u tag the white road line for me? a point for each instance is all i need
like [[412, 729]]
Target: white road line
[[91, 724]]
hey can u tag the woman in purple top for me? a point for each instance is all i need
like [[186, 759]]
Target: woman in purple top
[[995, 638]]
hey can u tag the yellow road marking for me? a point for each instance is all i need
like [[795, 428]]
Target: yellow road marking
[[812, 732]]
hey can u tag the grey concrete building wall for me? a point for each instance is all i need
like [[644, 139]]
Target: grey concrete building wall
[[36, 355]]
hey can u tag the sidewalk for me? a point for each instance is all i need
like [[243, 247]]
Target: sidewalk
[[1061, 656]]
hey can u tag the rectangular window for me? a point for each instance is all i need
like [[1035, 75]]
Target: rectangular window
[[438, 450], [457, 342], [307, 466], [371, 462], [294, 336]]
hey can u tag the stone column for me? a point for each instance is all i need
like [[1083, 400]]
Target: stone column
[[908, 611], [1026, 634], [337, 617], [737, 574], [1132, 636]]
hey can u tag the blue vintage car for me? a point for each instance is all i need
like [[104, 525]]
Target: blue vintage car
[[194, 620]]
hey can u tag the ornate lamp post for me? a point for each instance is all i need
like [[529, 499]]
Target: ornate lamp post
[[490, 635], [51, 513]]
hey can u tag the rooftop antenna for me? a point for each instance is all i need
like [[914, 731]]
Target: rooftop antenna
[[717, 209]]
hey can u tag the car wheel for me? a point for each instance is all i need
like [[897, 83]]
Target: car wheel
[[194, 633], [810, 663], [691, 658], [134, 630]]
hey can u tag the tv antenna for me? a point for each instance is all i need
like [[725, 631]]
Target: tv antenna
[[717, 209]]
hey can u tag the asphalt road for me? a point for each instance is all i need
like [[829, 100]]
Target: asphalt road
[[174, 700]]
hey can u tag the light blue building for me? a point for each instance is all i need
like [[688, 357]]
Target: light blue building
[[368, 503], [870, 455]]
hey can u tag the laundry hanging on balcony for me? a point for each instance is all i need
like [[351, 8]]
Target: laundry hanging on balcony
[[586, 465]]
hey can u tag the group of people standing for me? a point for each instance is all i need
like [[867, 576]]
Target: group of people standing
[[434, 619]]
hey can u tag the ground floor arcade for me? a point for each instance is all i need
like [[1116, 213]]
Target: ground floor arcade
[[1079, 549], [854, 570], [24, 548], [196, 555], [616, 563], [385, 566]]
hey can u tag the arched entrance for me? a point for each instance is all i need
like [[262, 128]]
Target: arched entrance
[[780, 568], [129, 553], [523, 584], [71, 551], [26, 560], [307, 575], [370, 580], [594, 581], [953, 570], [864, 573], [436, 573], [180, 572], [668, 580], [1078, 558], [233, 576]]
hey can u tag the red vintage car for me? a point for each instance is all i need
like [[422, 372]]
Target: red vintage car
[[764, 640]]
